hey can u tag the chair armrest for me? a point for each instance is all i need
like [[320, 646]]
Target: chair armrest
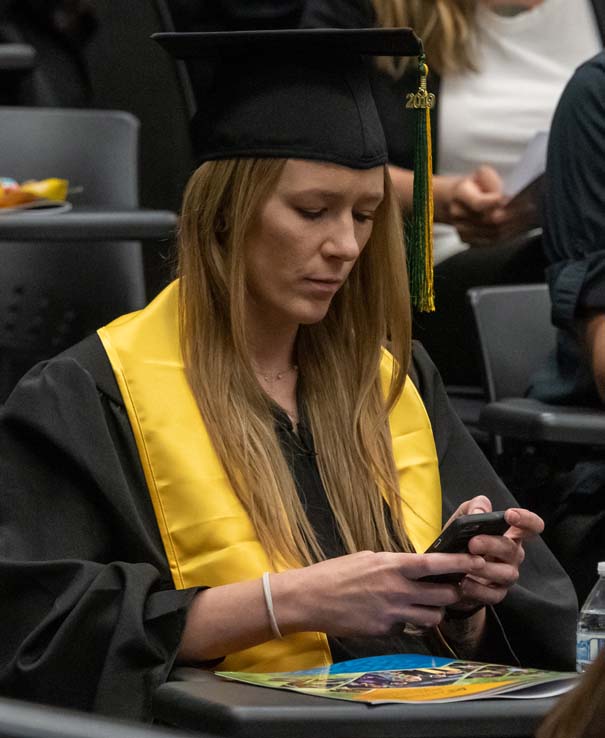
[[88, 225], [531, 420], [17, 57]]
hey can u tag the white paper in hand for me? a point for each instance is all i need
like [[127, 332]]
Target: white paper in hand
[[530, 166]]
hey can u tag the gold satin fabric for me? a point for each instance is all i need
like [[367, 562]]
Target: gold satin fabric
[[207, 535]]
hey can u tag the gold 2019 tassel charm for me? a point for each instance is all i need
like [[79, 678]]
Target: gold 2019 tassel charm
[[420, 234]]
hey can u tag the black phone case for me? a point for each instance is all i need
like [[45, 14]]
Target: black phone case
[[455, 538]]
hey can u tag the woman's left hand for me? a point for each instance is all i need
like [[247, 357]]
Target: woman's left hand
[[503, 555], [516, 217]]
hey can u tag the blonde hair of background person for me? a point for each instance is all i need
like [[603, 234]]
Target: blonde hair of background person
[[338, 359], [581, 712], [446, 28]]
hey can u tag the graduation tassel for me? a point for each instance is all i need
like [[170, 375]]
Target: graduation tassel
[[420, 231]]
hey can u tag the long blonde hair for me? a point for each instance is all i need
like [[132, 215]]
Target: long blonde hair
[[338, 361], [581, 712], [446, 27]]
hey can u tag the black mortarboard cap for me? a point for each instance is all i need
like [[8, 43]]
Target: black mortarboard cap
[[306, 94], [291, 93]]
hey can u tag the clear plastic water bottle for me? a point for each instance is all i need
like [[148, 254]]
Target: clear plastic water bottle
[[591, 624]]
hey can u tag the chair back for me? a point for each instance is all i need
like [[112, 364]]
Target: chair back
[[515, 335], [96, 150], [21, 719], [54, 294], [143, 79]]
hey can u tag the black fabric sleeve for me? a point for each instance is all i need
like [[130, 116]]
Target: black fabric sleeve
[[89, 617], [538, 616], [574, 233], [574, 212]]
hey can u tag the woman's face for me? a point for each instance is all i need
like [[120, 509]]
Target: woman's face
[[306, 239]]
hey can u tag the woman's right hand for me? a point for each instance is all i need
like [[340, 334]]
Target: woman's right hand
[[368, 594], [362, 594]]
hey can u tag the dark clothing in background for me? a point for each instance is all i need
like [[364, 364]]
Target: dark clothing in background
[[234, 15], [228, 15], [574, 232], [573, 501], [89, 617], [4, 7], [59, 30]]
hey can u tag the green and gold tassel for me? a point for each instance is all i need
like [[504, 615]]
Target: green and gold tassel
[[420, 230]]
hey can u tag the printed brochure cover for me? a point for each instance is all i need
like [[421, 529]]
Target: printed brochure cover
[[413, 678]]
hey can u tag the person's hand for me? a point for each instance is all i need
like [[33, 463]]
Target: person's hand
[[503, 555], [368, 594], [515, 217], [362, 594], [483, 216], [468, 201]]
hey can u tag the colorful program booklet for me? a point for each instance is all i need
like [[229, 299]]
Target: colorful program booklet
[[414, 678]]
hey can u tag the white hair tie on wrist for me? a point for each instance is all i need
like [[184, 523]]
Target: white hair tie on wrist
[[269, 602]]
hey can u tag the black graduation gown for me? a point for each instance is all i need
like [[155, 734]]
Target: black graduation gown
[[89, 617]]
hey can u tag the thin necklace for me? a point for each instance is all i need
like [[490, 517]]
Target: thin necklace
[[277, 376]]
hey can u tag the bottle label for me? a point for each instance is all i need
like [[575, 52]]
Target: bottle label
[[588, 647]]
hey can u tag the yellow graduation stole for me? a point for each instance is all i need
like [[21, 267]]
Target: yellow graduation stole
[[208, 537]]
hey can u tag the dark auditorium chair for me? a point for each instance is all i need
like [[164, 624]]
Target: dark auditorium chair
[[52, 294], [450, 335], [146, 81], [515, 338], [25, 720]]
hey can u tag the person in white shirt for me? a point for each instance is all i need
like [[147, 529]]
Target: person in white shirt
[[498, 68], [526, 51]]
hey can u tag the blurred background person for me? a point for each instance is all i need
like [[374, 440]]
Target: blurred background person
[[498, 69], [571, 499], [581, 712], [574, 242]]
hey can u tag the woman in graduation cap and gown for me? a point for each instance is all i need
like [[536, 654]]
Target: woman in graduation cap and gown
[[241, 474]]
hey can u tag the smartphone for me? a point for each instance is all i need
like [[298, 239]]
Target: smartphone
[[455, 538]]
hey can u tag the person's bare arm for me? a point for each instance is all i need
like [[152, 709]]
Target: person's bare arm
[[366, 593], [594, 337]]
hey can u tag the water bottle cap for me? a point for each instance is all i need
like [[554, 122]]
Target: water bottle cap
[[601, 568]]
